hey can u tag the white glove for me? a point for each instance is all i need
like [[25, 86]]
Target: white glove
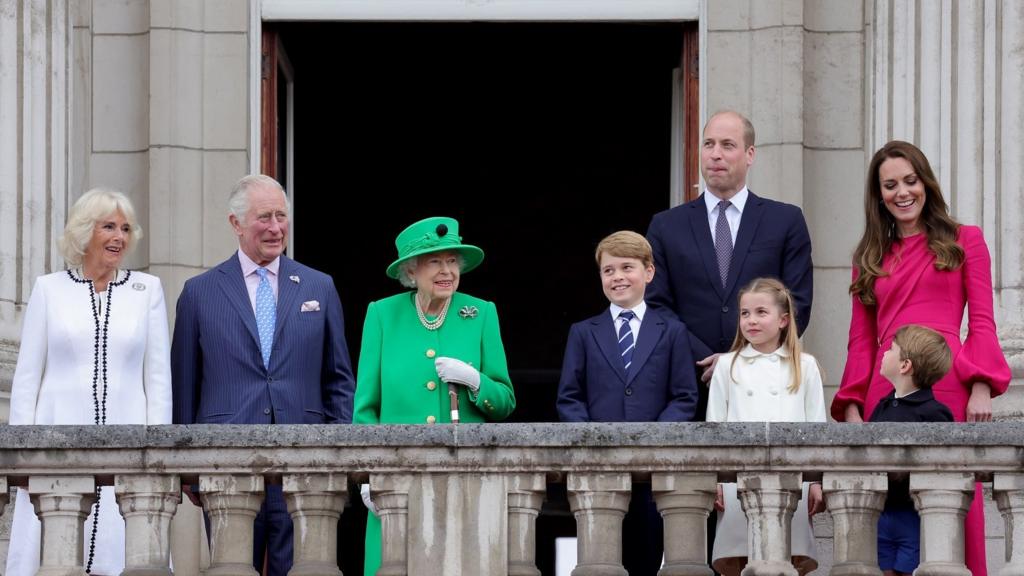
[[364, 491], [454, 371]]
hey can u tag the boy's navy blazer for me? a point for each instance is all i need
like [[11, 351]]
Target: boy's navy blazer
[[772, 242], [659, 387]]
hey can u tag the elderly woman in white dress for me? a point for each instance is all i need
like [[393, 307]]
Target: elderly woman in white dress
[[94, 350]]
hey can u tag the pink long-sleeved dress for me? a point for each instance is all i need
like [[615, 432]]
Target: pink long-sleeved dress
[[915, 292]]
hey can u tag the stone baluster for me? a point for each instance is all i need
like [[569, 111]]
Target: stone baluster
[[525, 496], [1009, 491], [390, 493], [769, 499], [315, 502], [856, 501], [685, 500], [62, 504], [4, 494], [599, 501], [232, 502], [942, 499], [147, 502]]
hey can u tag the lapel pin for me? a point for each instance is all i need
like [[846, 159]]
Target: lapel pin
[[294, 279], [468, 312]]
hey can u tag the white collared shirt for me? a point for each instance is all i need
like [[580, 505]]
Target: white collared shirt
[[252, 279], [634, 325], [732, 215]]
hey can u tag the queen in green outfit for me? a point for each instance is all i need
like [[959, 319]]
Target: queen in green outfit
[[418, 345]]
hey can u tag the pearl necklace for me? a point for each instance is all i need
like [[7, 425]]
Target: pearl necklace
[[437, 322]]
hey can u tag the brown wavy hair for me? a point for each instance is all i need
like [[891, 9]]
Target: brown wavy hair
[[880, 226]]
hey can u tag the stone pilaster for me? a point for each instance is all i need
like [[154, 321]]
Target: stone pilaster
[[855, 501], [942, 500], [232, 503], [315, 502], [685, 500], [148, 503], [390, 494], [62, 504], [769, 500], [525, 497], [599, 501], [1009, 492]]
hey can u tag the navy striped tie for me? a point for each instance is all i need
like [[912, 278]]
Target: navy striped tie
[[626, 343]]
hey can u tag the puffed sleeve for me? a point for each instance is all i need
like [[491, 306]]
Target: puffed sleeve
[[814, 394], [718, 395], [981, 359], [157, 367], [28, 375], [861, 349], [367, 398], [495, 399]]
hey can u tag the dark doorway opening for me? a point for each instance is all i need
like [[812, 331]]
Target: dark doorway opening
[[539, 138]]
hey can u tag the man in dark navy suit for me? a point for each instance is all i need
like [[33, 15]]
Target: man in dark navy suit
[[706, 250], [260, 339]]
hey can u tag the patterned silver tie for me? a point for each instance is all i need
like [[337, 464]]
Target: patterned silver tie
[[626, 341], [723, 242]]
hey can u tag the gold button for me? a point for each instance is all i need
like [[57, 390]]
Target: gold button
[[431, 353], [431, 419], [431, 385]]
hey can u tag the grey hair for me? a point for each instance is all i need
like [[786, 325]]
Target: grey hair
[[238, 202], [407, 268], [93, 206]]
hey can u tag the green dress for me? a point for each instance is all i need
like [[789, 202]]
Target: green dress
[[397, 383]]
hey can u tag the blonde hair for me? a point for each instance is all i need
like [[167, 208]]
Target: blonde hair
[[625, 244], [787, 336], [93, 206], [927, 351]]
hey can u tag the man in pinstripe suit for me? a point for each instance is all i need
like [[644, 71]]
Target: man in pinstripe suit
[[259, 339]]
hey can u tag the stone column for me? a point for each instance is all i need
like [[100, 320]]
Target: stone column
[[62, 504], [1009, 491], [232, 502], [599, 501], [685, 500], [942, 499], [315, 502], [525, 496], [855, 501], [391, 497], [148, 503], [769, 499]]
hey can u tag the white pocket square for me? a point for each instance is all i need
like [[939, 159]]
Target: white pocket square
[[310, 306]]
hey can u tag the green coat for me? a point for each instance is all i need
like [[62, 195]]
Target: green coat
[[396, 382]]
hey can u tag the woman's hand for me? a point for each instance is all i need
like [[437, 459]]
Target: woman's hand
[[853, 413], [719, 499], [979, 406], [815, 499], [455, 371]]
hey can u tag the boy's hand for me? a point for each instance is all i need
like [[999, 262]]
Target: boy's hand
[[853, 413], [708, 364], [719, 499], [979, 406], [815, 499]]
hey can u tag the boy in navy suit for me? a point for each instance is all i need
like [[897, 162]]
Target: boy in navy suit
[[918, 358], [630, 363]]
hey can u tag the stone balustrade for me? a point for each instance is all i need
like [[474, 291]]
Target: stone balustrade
[[490, 481]]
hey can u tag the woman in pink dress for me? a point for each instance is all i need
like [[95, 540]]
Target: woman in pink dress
[[915, 264]]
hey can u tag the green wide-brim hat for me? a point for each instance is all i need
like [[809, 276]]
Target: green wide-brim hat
[[436, 234]]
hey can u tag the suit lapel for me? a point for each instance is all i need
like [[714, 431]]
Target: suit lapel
[[287, 291], [705, 244], [651, 329], [233, 285], [751, 219], [603, 331]]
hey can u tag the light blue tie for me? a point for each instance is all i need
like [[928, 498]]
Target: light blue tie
[[266, 315]]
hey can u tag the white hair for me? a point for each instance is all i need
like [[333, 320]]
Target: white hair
[[92, 207], [407, 268], [238, 202]]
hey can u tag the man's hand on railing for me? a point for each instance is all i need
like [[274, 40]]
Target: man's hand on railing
[[815, 500]]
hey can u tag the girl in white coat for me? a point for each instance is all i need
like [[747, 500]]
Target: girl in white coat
[[766, 377], [94, 350]]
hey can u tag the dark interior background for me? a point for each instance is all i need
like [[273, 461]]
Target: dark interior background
[[539, 138]]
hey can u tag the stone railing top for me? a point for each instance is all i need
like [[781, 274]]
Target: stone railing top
[[553, 448]]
